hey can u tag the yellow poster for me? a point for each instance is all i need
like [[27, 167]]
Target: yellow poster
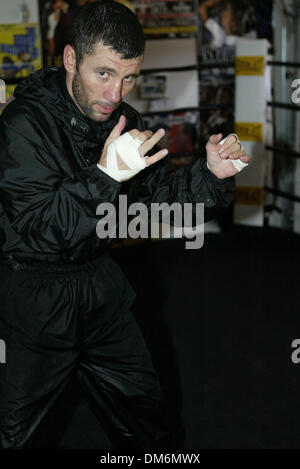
[[246, 195], [252, 131], [20, 50], [250, 65]]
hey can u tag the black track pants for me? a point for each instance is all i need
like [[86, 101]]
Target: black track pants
[[60, 321]]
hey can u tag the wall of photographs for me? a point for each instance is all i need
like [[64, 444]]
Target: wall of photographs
[[222, 26]]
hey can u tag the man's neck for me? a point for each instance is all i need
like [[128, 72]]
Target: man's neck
[[70, 91]]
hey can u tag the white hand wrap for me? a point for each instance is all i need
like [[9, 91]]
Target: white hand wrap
[[127, 148], [239, 165]]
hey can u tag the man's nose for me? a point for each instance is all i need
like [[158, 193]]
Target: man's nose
[[114, 93]]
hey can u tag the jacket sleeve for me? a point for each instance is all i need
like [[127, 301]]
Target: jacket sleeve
[[192, 184], [50, 210]]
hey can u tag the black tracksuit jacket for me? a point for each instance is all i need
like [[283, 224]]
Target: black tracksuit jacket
[[50, 185], [75, 317]]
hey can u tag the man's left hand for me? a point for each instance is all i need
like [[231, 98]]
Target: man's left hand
[[219, 157]]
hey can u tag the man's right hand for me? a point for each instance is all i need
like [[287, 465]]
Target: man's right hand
[[147, 139]]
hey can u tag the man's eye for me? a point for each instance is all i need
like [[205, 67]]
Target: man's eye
[[129, 79], [103, 74]]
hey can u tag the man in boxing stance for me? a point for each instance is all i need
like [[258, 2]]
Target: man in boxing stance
[[67, 144]]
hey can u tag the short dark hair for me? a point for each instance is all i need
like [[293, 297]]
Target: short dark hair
[[110, 23]]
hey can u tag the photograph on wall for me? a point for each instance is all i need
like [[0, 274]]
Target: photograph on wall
[[57, 17], [181, 135], [216, 106], [153, 87], [165, 91], [221, 22], [20, 50]]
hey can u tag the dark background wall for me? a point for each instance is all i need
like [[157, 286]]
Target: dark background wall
[[219, 322]]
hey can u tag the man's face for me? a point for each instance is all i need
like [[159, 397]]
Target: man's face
[[104, 78]]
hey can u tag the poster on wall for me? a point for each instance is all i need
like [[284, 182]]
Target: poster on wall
[[216, 97], [221, 22], [181, 134], [20, 50], [57, 17], [166, 19]]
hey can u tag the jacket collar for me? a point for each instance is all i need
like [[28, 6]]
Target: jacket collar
[[94, 131], [48, 87]]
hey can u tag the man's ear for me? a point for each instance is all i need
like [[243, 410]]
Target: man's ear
[[69, 59]]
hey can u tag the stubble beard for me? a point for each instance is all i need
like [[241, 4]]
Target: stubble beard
[[81, 99]]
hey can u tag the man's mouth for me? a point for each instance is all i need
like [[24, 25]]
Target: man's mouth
[[106, 109]]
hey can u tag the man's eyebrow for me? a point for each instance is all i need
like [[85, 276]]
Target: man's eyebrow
[[105, 69], [135, 75], [112, 70]]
